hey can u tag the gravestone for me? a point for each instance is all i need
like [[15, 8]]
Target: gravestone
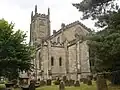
[[101, 83], [81, 79], [32, 85], [89, 82], [77, 83], [49, 82], [85, 80], [66, 83], [71, 82], [42, 83], [61, 86]]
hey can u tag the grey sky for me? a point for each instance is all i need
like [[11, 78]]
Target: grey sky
[[19, 11]]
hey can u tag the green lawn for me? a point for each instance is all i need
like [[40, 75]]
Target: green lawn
[[82, 87]]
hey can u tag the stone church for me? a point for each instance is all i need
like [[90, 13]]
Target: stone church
[[64, 53]]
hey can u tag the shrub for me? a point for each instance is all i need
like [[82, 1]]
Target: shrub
[[2, 82], [2, 87], [56, 82]]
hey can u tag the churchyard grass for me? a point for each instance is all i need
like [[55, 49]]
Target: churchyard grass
[[2, 86], [82, 87]]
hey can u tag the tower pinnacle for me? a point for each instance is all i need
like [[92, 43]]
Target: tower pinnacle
[[31, 15], [49, 12], [35, 9]]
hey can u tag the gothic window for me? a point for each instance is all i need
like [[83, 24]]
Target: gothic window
[[58, 39], [60, 61], [52, 61]]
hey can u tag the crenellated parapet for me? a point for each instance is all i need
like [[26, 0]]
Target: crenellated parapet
[[33, 16], [56, 44]]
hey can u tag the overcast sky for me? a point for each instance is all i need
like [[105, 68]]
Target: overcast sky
[[61, 11]]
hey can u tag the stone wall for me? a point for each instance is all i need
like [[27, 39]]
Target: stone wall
[[69, 44], [85, 67], [56, 53]]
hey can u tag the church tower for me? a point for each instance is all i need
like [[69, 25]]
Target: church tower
[[39, 27]]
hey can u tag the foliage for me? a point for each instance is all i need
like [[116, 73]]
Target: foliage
[[56, 82], [15, 54], [105, 46], [100, 10], [95, 8], [2, 86]]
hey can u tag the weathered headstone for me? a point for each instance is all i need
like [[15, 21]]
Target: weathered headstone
[[85, 80], [81, 79], [61, 86], [101, 83], [89, 82], [64, 78], [49, 82], [32, 85], [71, 82], [66, 83], [77, 83]]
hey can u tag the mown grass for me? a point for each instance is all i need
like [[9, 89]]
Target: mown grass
[[82, 87], [2, 85]]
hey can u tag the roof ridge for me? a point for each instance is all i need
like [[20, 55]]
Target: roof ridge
[[70, 25]]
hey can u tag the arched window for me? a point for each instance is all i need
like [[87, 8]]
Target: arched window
[[52, 61], [60, 61]]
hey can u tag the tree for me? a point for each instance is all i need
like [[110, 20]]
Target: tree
[[105, 48], [15, 53], [99, 10], [105, 44]]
